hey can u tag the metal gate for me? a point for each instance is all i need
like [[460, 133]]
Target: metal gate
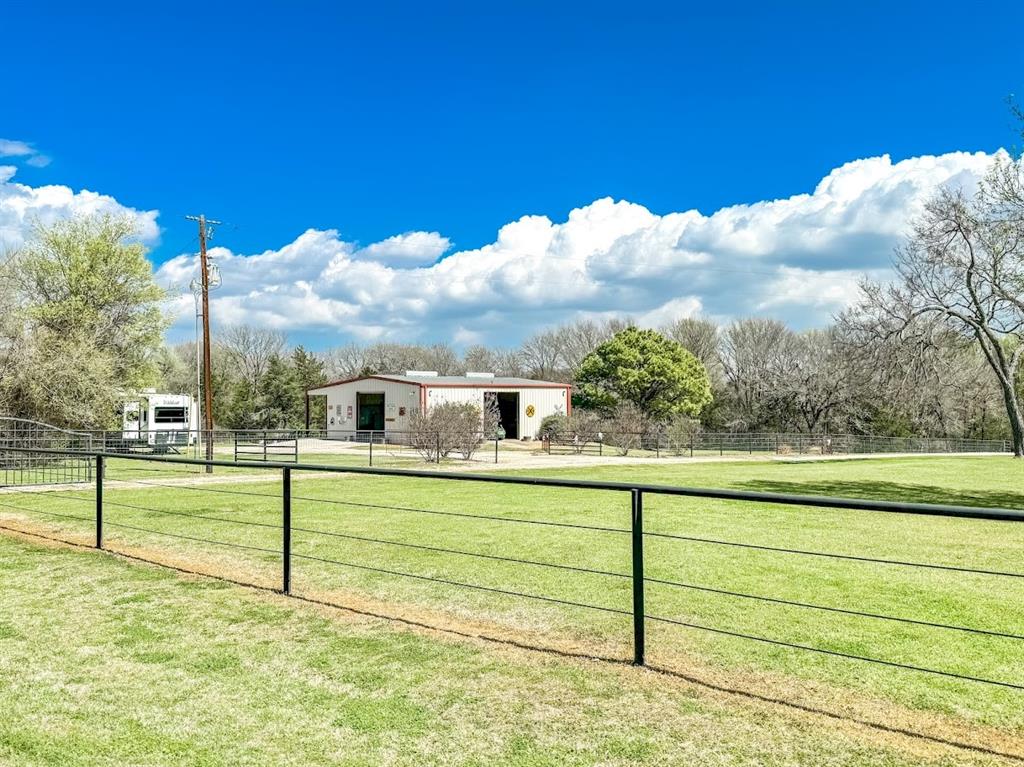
[[267, 445], [19, 468]]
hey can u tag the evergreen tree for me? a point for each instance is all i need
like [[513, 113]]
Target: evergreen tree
[[309, 373], [277, 404]]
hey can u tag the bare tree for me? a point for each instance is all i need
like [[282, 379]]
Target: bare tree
[[346, 361], [816, 378], [698, 336], [541, 355], [578, 339], [249, 349], [480, 358], [754, 356], [961, 270]]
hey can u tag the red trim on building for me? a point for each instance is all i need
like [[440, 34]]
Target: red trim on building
[[492, 385], [366, 378], [484, 384]]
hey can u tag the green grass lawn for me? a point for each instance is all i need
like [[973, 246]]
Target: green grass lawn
[[107, 662], [371, 509]]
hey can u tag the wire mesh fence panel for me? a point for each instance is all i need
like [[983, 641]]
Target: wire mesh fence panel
[[659, 443], [30, 468]]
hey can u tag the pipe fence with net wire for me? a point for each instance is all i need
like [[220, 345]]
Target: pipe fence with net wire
[[297, 541], [391, 447], [659, 443]]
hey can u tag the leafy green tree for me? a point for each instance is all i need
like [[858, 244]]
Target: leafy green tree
[[644, 368], [89, 322]]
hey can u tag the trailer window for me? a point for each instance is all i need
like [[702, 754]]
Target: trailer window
[[169, 414]]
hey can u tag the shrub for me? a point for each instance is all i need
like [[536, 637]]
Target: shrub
[[680, 431], [556, 425], [448, 428], [626, 428]]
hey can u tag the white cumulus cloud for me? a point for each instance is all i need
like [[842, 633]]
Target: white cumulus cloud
[[797, 258], [411, 248], [22, 205]]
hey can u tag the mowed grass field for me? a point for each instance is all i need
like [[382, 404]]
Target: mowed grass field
[[614, 717]]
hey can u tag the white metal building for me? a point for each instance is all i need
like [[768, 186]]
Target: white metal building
[[386, 402]]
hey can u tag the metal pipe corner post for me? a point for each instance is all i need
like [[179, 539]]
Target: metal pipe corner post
[[639, 616], [99, 502], [286, 530]]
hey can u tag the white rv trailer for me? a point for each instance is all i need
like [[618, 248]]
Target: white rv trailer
[[162, 421]]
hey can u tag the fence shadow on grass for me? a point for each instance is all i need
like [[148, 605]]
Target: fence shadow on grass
[[894, 729], [890, 491]]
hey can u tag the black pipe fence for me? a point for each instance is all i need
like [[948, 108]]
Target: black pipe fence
[[266, 445], [665, 443], [19, 468], [289, 444], [405, 446], [148, 471]]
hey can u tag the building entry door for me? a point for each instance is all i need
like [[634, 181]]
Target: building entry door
[[370, 411], [508, 412]]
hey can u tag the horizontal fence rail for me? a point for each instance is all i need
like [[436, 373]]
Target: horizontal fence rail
[[665, 443], [391, 447], [158, 472]]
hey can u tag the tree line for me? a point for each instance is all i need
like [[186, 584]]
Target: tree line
[[763, 376]]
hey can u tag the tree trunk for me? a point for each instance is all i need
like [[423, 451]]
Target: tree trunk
[[1013, 411]]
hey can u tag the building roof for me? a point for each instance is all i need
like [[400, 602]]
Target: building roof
[[477, 382]]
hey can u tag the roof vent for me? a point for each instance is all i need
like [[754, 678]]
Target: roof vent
[[420, 373], [471, 374]]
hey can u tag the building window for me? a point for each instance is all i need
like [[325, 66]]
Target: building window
[[170, 414]]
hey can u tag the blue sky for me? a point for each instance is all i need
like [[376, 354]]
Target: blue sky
[[458, 118]]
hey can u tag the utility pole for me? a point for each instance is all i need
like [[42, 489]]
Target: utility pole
[[204, 272]]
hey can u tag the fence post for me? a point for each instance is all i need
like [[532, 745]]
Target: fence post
[[286, 530], [99, 502], [437, 446], [691, 446], [637, 529], [495, 448], [371, 447], [264, 446]]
